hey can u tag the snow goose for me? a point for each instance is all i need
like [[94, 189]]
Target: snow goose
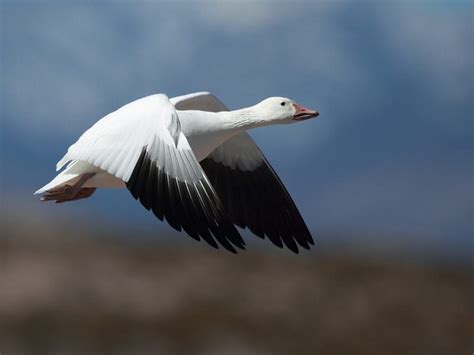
[[190, 161]]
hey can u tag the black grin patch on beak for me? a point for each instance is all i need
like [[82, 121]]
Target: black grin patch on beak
[[305, 115]]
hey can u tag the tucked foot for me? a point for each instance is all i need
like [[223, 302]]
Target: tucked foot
[[84, 192], [67, 193], [73, 192]]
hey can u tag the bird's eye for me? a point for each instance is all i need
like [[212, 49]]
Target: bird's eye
[[283, 103]]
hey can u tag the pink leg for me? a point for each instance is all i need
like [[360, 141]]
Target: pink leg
[[70, 192]]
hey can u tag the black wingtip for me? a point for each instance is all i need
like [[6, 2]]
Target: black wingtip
[[258, 200]]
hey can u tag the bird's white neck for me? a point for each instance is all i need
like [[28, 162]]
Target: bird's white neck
[[207, 130], [232, 122], [243, 119]]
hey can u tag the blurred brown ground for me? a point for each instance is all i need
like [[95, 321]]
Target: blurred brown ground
[[63, 294]]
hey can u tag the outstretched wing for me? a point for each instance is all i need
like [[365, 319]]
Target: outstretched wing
[[142, 144], [252, 193]]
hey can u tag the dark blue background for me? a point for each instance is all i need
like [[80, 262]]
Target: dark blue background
[[387, 166]]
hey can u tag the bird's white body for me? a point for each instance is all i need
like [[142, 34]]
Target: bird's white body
[[153, 147], [205, 131]]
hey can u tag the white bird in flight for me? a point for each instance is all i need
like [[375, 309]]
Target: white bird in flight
[[190, 161]]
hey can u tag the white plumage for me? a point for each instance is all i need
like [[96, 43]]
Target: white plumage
[[190, 161]]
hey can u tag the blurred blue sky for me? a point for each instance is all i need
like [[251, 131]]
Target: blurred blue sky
[[389, 161]]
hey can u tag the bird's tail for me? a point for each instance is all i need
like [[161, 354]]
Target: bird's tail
[[66, 176], [67, 186]]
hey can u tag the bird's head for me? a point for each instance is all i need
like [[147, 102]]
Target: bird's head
[[284, 110]]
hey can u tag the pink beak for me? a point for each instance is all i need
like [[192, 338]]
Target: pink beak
[[303, 113]]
